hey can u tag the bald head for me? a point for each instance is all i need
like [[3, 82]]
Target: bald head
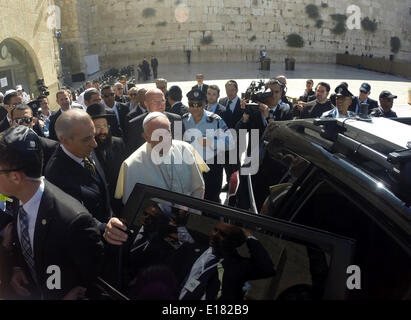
[[155, 100], [75, 130]]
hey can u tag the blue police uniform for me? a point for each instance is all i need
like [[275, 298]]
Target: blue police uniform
[[220, 140]]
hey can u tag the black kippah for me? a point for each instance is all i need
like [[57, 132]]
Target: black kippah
[[22, 139]]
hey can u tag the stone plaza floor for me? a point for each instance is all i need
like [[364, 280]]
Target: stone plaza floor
[[183, 75]]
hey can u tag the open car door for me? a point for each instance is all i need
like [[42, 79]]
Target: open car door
[[306, 263]]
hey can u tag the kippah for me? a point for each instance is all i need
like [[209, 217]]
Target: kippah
[[22, 139]]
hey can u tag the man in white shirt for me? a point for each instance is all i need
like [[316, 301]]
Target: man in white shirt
[[160, 162]]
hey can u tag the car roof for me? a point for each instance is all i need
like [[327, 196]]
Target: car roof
[[379, 131]]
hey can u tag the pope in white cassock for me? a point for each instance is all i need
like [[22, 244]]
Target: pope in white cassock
[[162, 162]]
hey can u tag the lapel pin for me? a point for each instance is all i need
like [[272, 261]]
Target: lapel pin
[[44, 222], [197, 250]]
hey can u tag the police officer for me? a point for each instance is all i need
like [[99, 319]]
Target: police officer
[[343, 101], [210, 136]]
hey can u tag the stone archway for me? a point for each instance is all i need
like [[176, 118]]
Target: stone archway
[[19, 65]]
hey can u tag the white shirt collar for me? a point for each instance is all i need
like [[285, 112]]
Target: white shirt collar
[[32, 208], [72, 156]]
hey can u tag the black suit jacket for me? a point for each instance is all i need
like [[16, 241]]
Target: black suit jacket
[[204, 90], [3, 111], [372, 104], [135, 139], [49, 147], [66, 236], [237, 115], [134, 113], [4, 124], [75, 180], [111, 160], [178, 108], [118, 128], [237, 270]]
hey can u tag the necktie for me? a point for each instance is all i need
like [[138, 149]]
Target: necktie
[[25, 241], [90, 166], [228, 105]]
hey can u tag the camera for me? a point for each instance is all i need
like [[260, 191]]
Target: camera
[[255, 93], [42, 87]]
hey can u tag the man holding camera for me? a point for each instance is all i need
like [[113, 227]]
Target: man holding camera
[[271, 108]]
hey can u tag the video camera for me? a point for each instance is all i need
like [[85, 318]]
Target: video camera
[[42, 87], [255, 93]]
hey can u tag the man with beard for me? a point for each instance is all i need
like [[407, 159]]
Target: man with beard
[[110, 151]]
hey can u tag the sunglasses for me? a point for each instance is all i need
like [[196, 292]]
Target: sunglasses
[[22, 121], [195, 104], [109, 95]]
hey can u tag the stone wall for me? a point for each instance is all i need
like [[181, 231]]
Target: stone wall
[[122, 32], [25, 21]]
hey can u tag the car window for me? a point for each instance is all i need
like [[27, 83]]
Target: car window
[[284, 173], [170, 239], [385, 265]]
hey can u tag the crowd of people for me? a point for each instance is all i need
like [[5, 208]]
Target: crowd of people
[[70, 172]]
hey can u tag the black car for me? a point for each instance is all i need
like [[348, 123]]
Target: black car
[[336, 225]]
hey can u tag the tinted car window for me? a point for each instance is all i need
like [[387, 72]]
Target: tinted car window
[[385, 266]]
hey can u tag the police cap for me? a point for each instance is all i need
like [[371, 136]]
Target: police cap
[[196, 95]]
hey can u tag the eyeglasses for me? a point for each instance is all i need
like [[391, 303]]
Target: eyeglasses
[[195, 104], [109, 95], [105, 126], [22, 121]]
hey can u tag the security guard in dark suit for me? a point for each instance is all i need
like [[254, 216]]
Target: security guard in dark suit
[[54, 235], [210, 136], [74, 167]]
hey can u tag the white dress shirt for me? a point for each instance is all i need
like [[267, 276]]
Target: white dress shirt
[[32, 207]]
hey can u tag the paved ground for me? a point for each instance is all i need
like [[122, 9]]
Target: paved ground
[[218, 73], [244, 73]]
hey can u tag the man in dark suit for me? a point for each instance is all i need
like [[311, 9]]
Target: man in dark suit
[[161, 84], [213, 93], [63, 100], [136, 106], [119, 93], [200, 84], [321, 104], [11, 99], [74, 167], [174, 97], [258, 118], [22, 115], [110, 151], [154, 66], [364, 97], [232, 103], [220, 272], [154, 101], [120, 110], [57, 249]]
